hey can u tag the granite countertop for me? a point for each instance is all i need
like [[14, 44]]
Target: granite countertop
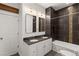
[[27, 40]]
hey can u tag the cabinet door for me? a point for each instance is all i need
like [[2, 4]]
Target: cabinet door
[[47, 46], [40, 48], [33, 50]]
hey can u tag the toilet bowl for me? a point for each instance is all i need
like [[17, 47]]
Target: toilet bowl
[[66, 53]]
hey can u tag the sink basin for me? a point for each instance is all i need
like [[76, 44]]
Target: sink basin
[[44, 37], [34, 40]]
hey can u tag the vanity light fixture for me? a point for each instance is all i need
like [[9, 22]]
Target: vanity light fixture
[[30, 9]]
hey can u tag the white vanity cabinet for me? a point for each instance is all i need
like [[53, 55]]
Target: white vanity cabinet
[[44, 47], [33, 50], [47, 46], [39, 49]]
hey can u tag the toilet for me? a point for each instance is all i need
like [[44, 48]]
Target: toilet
[[66, 53]]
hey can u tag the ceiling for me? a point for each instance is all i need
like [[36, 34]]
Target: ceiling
[[56, 6]]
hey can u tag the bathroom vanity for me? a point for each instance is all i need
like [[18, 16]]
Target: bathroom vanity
[[37, 46], [34, 25]]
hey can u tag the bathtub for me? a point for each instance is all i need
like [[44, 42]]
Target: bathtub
[[60, 45]]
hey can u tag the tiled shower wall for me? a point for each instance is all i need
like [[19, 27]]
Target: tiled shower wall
[[63, 24]]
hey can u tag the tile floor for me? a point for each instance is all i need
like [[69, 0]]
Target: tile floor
[[51, 53]]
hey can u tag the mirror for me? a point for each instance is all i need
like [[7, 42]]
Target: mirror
[[30, 23], [41, 24]]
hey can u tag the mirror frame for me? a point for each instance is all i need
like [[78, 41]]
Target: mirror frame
[[42, 26], [25, 24]]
